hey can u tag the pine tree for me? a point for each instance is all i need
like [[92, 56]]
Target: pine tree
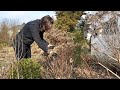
[[67, 20]]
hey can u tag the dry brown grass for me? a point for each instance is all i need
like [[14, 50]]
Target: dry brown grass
[[59, 67]]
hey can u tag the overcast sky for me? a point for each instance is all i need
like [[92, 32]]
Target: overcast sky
[[24, 16]]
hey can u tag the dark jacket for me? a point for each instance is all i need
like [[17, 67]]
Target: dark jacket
[[31, 32]]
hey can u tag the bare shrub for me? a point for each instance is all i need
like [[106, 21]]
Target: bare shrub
[[60, 67]]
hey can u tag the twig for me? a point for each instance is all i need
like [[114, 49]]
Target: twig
[[109, 70], [87, 65], [111, 57]]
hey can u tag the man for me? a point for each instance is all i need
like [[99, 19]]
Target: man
[[32, 31]]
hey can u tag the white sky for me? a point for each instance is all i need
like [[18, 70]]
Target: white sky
[[24, 16]]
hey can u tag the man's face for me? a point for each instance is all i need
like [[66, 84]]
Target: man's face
[[48, 26]]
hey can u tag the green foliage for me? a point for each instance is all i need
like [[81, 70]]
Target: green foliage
[[79, 37], [67, 20], [80, 48], [76, 55], [25, 69]]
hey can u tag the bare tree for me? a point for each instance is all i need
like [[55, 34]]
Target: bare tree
[[4, 32]]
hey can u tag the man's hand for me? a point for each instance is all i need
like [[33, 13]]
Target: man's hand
[[53, 54], [51, 46], [50, 51]]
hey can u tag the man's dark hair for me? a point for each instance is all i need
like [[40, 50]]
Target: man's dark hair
[[45, 20]]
